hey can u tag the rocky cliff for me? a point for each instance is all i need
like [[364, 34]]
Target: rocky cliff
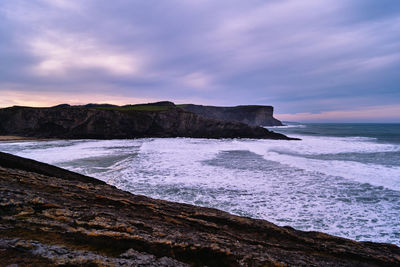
[[251, 115], [50, 216], [110, 122]]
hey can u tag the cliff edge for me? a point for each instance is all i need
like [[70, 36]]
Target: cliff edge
[[50, 216], [252, 115], [92, 121]]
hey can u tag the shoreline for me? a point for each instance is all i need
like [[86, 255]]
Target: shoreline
[[8, 138], [14, 138]]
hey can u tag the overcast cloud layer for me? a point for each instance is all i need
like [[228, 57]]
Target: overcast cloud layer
[[314, 60]]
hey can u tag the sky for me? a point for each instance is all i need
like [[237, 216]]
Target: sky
[[313, 60]]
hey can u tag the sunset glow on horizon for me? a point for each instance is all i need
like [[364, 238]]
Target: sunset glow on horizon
[[312, 60]]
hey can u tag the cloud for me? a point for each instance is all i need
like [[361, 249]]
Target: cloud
[[303, 36], [198, 80], [63, 4], [293, 54], [379, 62], [61, 53]]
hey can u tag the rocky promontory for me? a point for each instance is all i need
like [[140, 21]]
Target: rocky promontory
[[162, 119], [50, 216], [254, 115]]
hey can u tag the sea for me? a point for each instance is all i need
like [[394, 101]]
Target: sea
[[342, 179]]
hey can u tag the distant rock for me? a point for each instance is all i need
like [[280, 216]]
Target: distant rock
[[161, 103], [92, 121], [91, 105], [252, 115], [62, 106], [50, 216]]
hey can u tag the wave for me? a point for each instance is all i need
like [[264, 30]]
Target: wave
[[286, 126], [297, 155], [374, 174], [62, 151], [179, 152]]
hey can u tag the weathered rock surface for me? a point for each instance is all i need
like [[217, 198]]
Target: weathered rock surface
[[252, 115], [49, 216], [95, 122]]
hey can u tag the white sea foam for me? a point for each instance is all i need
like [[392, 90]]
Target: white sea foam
[[63, 151], [373, 174], [269, 179], [183, 150], [305, 197], [327, 145]]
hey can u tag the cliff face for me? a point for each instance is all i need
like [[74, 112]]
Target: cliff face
[[251, 115], [50, 216], [120, 122]]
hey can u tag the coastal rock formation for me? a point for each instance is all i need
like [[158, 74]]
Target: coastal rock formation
[[252, 115], [111, 122], [50, 216]]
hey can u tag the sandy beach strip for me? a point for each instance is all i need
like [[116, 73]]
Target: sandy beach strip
[[4, 138]]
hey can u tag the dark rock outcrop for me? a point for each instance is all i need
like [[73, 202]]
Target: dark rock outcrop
[[110, 122], [53, 217], [252, 115]]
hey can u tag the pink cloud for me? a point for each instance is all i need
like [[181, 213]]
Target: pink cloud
[[47, 99], [373, 113]]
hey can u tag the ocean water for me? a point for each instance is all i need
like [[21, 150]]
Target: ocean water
[[342, 179]]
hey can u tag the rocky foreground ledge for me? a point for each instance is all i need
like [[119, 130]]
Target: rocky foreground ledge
[[50, 216]]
